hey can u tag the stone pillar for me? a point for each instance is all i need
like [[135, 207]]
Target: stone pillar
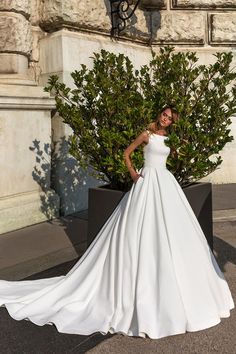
[[15, 40], [25, 158], [25, 127]]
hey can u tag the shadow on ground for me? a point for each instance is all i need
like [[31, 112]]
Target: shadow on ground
[[25, 337], [224, 253]]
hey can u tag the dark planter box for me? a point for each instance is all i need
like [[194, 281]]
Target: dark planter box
[[102, 202], [199, 196]]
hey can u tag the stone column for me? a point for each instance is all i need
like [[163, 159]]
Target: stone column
[[25, 127], [15, 40]]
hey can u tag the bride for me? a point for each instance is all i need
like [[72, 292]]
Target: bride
[[149, 271]]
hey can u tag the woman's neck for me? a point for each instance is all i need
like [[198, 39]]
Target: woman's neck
[[159, 129]]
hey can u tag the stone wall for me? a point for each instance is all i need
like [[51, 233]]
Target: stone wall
[[203, 25], [196, 23], [174, 21]]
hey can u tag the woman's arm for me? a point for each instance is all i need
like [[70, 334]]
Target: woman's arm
[[142, 138]]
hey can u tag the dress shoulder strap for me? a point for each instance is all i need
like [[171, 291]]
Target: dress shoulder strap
[[148, 131]]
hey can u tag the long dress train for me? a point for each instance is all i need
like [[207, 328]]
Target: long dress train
[[148, 272]]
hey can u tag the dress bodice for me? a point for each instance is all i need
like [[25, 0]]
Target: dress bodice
[[156, 151]]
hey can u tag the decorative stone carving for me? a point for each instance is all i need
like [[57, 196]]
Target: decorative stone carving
[[75, 13], [15, 34], [223, 28], [81, 14], [21, 6], [178, 27], [204, 3], [37, 34], [36, 10], [138, 27]]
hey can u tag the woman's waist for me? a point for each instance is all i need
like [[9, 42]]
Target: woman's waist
[[147, 167], [157, 164]]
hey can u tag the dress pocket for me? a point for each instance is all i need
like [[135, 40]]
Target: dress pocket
[[140, 177], [140, 172]]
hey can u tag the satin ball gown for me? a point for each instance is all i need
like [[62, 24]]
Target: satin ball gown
[[149, 271]]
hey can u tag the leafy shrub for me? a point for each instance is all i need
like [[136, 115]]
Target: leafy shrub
[[112, 103]]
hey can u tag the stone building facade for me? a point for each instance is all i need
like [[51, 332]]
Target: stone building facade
[[43, 37]]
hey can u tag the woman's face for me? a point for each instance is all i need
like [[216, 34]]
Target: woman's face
[[166, 118]]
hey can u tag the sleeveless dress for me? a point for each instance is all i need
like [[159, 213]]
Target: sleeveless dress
[[149, 271]]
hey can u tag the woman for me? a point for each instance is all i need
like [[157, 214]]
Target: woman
[[164, 120], [148, 272]]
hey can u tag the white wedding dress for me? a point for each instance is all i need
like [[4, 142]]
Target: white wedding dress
[[148, 272]]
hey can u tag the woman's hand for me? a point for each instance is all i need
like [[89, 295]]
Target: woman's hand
[[135, 176]]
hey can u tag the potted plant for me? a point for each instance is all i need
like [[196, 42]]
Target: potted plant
[[112, 103]]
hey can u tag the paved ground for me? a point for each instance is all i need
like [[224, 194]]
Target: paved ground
[[42, 246], [24, 337]]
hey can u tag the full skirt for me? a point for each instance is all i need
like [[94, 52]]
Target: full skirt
[[149, 272]]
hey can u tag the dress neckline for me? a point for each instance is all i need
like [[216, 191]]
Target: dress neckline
[[164, 136]]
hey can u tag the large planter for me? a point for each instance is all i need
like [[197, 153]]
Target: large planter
[[102, 202], [199, 196]]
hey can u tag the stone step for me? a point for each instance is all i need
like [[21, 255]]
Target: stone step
[[224, 202], [224, 215]]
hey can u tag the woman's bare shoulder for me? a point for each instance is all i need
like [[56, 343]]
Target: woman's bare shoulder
[[151, 126], [150, 129], [147, 133], [143, 136]]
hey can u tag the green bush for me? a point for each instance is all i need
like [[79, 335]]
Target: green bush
[[112, 103]]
